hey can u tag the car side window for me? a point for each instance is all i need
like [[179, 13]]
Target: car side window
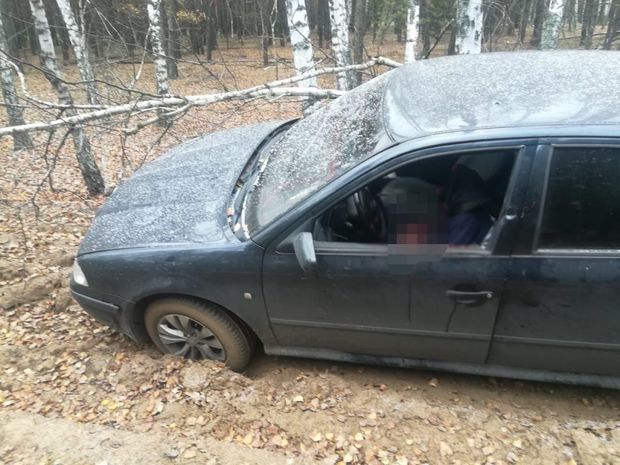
[[452, 199], [582, 202]]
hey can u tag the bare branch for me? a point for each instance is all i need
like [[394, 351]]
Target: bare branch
[[171, 104]]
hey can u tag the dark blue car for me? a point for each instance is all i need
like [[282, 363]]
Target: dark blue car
[[460, 213]]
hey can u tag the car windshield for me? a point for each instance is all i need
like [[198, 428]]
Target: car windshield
[[314, 151]]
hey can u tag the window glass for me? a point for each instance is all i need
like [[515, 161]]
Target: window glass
[[582, 209], [316, 150], [451, 200]]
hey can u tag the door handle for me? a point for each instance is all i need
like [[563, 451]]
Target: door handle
[[468, 297]]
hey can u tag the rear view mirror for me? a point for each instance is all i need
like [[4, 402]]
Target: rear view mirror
[[304, 251]]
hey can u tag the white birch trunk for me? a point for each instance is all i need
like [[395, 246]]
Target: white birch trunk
[[300, 41], [159, 58], [413, 19], [552, 25], [339, 20], [21, 140], [88, 165], [80, 50], [469, 21]]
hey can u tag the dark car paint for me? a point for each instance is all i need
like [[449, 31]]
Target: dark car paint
[[179, 198], [410, 291], [225, 271], [560, 309]]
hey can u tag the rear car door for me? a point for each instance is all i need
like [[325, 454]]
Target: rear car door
[[561, 305]]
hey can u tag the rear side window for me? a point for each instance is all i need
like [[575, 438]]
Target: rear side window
[[582, 207]]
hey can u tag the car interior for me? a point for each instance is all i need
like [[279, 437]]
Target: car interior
[[449, 199]]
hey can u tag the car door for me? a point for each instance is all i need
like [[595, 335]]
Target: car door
[[382, 299], [561, 306]]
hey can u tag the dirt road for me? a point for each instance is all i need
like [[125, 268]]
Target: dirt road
[[74, 392]]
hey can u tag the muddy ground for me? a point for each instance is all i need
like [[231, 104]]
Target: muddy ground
[[75, 392]]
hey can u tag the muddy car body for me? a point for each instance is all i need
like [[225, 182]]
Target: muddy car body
[[286, 233]]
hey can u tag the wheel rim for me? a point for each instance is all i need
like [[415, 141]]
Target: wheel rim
[[188, 338]]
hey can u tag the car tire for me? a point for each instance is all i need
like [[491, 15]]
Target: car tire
[[198, 330]]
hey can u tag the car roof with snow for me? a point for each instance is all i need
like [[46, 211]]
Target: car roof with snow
[[503, 90]]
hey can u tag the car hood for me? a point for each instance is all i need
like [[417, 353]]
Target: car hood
[[181, 197]]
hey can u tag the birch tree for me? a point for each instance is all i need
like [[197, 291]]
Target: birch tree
[[339, 21], [80, 50], [88, 165], [613, 24], [551, 25], [159, 56], [469, 22], [413, 19], [300, 41], [21, 140]]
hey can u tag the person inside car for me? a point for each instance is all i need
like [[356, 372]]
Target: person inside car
[[467, 202]]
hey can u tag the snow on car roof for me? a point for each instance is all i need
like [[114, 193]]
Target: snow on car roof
[[493, 90]]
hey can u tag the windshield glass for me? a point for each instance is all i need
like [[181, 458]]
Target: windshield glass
[[314, 151]]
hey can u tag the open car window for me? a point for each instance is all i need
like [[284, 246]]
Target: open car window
[[446, 201]]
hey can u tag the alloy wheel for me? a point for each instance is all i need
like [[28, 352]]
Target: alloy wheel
[[188, 338]]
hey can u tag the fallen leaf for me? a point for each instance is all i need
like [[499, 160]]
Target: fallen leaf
[[444, 449], [158, 408], [248, 439], [172, 453], [109, 404]]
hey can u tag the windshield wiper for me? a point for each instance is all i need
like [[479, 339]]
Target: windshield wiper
[[247, 179]]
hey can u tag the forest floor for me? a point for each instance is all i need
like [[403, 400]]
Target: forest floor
[[75, 392]]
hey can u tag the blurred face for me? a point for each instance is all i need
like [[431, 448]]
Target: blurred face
[[412, 234], [419, 220]]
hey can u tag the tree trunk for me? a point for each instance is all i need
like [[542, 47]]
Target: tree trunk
[[80, 50], [340, 42], [300, 41], [21, 140], [452, 42], [613, 24], [264, 34], [11, 34], [413, 18], [30, 30], [59, 33], [468, 27], [603, 10], [539, 15], [359, 23], [425, 31], [320, 24], [551, 26], [88, 165], [172, 43], [210, 25], [159, 56], [589, 18]]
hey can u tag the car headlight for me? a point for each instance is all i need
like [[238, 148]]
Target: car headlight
[[78, 275]]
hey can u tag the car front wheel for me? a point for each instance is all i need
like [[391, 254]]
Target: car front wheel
[[197, 330]]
